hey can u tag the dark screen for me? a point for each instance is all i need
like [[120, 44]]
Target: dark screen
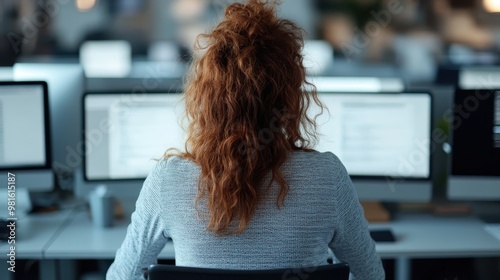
[[476, 150], [496, 129]]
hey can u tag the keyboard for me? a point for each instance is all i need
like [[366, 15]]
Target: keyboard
[[382, 235]]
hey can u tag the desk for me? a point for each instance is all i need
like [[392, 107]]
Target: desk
[[427, 236], [34, 233], [419, 236], [93, 242], [51, 238]]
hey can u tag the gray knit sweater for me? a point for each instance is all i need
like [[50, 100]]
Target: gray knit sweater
[[321, 211]]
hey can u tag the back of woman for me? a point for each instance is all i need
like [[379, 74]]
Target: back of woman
[[319, 206], [249, 191]]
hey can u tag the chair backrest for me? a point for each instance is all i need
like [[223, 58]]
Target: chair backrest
[[338, 271]]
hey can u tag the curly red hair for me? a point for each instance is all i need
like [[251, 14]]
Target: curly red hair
[[246, 102]]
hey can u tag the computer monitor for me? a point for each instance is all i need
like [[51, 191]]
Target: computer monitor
[[383, 139], [25, 135], [111, 59], [66, 85], [124, 133], [479, 77], [475, 148], [357, 84], [6, 74], [318, 56], [442, 99]]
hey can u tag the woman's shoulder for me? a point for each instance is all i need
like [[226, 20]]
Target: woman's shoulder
[[312, 159], [173, 172], [315, 157], [173, 162], [314, 162]]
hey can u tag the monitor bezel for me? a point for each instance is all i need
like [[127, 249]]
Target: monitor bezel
[[368, 178], [47, 129], [84, 130]]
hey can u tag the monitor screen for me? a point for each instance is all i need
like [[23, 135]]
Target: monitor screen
[[382, 138], [377, 134], [126, 133], [25, 138], [476, 134], [496, 126], [108, 59], [475, 148], [23, 125]]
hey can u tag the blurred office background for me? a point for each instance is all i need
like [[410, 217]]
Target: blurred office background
[[131, 46], [413, 38]]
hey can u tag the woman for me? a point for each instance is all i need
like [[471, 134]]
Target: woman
[[249, 192]]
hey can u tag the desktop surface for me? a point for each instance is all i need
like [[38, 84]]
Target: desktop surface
[[416, 235], [93, 242], [428, 236], [35, 232], [71, 235]]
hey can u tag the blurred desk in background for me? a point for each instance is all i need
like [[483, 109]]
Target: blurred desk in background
[[81, 240], [59, 239], [418, 236], [34, 233]]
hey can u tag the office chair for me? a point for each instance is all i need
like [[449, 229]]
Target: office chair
[[338, 271]]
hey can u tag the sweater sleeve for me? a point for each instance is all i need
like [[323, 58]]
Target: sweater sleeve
[[351, 242], [145, 235]]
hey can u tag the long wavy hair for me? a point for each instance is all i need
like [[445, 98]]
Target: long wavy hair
[[246, 99]]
